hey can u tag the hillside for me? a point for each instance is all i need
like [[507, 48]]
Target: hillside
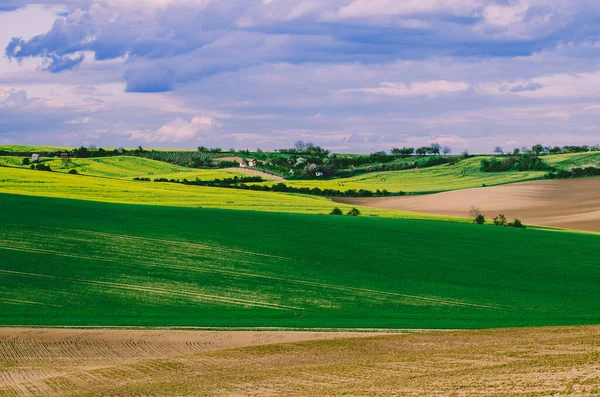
[[82, 187], [573, 160], [565, 203], [77, 263], [125, 167], [462, 175]]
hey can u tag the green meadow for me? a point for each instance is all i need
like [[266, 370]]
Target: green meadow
[[83, 263]]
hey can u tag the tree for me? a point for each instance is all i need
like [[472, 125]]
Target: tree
[[422, 151], [92, 148], [202, 149], [407, 151], [465, 154], [435, 148], [336, 211], [396, 152], [26, 161], [300, 146], [517, 223], [517, 151], [500, 220], [354, 212], [66, 162], [498, 150], [537, 149], [476, 215], [446, 150]]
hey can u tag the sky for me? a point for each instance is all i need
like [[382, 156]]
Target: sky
[[349, 75]]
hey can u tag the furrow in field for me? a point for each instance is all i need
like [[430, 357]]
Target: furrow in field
[[164, 241], [24, 302], [162, 291]]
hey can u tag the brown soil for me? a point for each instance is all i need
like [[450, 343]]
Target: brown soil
[[259, 173], [570, 203], [540, 361]]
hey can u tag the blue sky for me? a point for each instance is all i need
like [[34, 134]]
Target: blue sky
[[351, 75]]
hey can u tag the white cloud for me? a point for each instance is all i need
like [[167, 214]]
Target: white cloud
[[430, 88], [366, 8], [78, 120], [178, 130]]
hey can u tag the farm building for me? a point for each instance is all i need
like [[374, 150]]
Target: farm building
[[35, 157], [64, 155]]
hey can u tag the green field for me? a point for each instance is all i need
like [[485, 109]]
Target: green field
[[72, 262], [462, 175], [125, 167], [574, 160]]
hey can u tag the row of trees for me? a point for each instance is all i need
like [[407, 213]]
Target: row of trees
[[540, 149], [434, 149], [524, 162]]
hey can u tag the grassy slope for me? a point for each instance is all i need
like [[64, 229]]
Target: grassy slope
[[54, 184], [165, 266], [462, 175], [126, 167], [574, 160]]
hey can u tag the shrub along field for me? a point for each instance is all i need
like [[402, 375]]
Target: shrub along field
[[78, 263]]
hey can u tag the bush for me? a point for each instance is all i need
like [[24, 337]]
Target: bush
[[476, 215], [500, 220], [41, 167], [517, 223], [479, 219], [354, 212], [26, 161], [72, 172], [336, 211]]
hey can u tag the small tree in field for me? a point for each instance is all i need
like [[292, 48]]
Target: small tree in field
[[476, 215], [336, 211], [498, 150], [354, 212], [66, 162], [500, 220], [446, 150]]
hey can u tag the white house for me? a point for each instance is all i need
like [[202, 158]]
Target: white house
[[35, 157]]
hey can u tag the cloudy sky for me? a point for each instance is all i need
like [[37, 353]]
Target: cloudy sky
[[351, 75]]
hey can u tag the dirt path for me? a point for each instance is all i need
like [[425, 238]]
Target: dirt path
[[258, 173], [567, 203]]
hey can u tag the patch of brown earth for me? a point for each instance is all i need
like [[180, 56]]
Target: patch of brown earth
[[534, 361], [566, 203]]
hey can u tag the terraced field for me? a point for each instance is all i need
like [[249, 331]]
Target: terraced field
[[80, 263], [513, 362]]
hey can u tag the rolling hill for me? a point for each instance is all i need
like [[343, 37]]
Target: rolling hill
[[82, 263]]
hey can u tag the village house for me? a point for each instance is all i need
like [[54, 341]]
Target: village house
[[64, 155], [35, 158]]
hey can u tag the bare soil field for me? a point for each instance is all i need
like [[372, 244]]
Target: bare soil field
[[534, 361], [567, 203], [257, 173]]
